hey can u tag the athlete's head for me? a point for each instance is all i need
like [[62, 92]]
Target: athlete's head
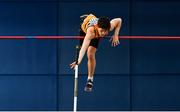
[[103, 26]]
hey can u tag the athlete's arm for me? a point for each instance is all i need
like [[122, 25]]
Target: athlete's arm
[[89, 36], [116, 26], [87, 39]]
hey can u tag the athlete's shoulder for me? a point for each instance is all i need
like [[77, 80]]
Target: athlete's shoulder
[[90, 31]]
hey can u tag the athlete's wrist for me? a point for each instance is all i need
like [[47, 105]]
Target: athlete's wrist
[[79, 62]]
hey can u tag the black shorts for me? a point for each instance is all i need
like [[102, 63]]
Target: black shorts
[[94, 42]]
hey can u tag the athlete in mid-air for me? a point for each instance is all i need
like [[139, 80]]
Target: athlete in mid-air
[[92, 29]]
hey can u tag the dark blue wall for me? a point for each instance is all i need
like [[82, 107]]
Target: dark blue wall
[[137, 75]]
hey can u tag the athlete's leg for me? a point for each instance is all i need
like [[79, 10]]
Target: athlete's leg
[[91, 52]]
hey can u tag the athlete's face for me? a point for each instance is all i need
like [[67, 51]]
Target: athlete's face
[[102, 32]]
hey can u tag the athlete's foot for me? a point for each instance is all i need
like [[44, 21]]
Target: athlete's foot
[[89, 85]]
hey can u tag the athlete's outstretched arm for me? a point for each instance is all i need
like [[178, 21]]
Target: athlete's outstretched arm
[[87, 39], [116, 26]]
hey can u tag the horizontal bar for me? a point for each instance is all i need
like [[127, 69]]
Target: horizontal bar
[[78, 37]]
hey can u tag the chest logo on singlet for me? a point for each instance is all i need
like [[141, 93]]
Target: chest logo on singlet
[[92, 22]]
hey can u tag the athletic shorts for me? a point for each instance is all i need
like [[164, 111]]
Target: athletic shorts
[[94, 42]]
